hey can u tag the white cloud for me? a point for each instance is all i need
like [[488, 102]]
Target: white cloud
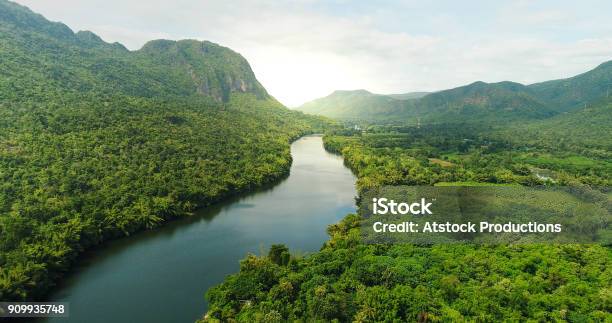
[[305, 49]]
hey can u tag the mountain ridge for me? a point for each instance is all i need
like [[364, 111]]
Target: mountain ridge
[[160, 67], [497, 101]]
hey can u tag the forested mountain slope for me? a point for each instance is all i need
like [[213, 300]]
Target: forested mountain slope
[[477, 102], [36, 52], [574, 92], [98, 142], [481, 102]]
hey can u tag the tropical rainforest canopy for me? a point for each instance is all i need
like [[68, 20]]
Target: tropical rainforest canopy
[[98, 142], [349, 280]]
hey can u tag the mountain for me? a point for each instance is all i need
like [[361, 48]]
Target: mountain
[[82, 61], [482, 101], [476, 102], [572, 93], [358, 104], [408, 96], [99, 142], [212, 69]]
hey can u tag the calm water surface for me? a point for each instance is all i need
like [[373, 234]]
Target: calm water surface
[[162, 275]]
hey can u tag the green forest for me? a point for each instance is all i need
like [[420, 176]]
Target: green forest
[[97, 142], [348, 280]]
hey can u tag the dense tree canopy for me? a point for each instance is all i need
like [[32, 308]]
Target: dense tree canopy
[[98, 142], [74, 175], [348, 280]]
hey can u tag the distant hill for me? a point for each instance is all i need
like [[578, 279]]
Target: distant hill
[[409, 95], [476, 102], [572, 93], [358, 104], [482, 101]]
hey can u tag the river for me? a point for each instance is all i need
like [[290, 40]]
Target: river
[[162, 275]]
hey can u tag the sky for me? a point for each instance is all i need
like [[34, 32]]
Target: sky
[[304, 49]]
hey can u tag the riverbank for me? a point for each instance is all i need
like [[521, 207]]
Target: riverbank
[[163, 274]]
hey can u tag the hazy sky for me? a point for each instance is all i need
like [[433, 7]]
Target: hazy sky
[[304, 49]]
